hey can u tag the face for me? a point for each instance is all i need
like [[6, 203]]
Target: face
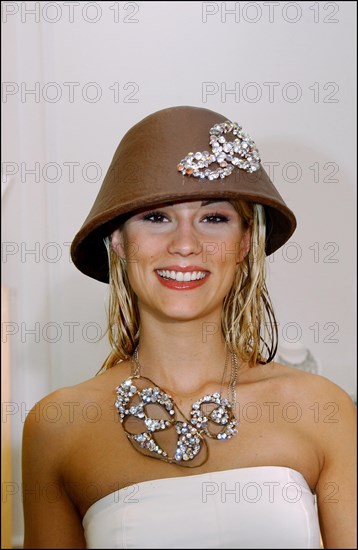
[[182, 258]]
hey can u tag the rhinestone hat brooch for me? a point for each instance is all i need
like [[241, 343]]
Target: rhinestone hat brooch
[[241, 153], [138, 398]]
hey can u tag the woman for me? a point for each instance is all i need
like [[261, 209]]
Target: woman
[[200, 439]]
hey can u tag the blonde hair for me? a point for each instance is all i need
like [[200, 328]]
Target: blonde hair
[[248, 322]]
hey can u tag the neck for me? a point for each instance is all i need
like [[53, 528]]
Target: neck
[[182, 356]]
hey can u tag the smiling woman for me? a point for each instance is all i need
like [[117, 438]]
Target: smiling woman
[[218, 232], [182, 238]]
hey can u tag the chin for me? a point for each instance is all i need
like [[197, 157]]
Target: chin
[[187, 314]]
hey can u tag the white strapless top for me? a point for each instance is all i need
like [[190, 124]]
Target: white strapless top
[[258, 507]]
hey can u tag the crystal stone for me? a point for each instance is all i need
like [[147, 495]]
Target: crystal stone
[[195, 163]]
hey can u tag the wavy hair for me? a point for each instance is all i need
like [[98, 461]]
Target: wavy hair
[[248, 321]]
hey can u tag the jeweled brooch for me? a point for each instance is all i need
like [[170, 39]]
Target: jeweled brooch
[[241, 153]]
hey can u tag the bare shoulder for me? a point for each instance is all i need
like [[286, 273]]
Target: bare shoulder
[[59, 412], [57, 409], [323, 413], [322, 407], [50, 441], [296, 383], [47, 426]]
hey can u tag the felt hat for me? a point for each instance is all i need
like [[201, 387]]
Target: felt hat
[[178, 154]]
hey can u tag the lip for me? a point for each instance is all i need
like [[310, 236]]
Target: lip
[[185, 269], [182, 285]]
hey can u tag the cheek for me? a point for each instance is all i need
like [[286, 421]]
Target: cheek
[[140, 256], [137, 244], [132, 246], [230, 276], [138, 280], [230, 258], [131, 252], [230, 252]]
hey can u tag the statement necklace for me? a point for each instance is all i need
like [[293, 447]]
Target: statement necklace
[[149, 417]]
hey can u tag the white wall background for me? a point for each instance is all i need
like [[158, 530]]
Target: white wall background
[[284, 70]]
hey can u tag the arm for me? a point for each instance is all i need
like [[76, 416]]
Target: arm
[[51, 518], [336, 488]]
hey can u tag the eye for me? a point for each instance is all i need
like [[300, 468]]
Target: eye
[[215, 217], [155, 217]]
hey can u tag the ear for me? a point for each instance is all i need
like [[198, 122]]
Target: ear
[[117, 243], [245, 245]]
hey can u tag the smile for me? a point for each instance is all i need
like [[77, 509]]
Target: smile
[[180, 276]]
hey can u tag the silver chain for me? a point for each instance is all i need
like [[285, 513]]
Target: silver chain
[[136, 367], [136, 371], [233, 381]]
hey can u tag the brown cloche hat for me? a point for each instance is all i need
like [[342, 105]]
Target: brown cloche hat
[[178, 154]]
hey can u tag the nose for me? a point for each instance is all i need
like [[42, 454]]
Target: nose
[[184, 239]]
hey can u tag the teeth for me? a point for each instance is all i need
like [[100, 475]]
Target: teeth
[[181, 276]]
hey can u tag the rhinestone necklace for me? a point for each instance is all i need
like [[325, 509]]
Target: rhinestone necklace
[[211, 416]]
